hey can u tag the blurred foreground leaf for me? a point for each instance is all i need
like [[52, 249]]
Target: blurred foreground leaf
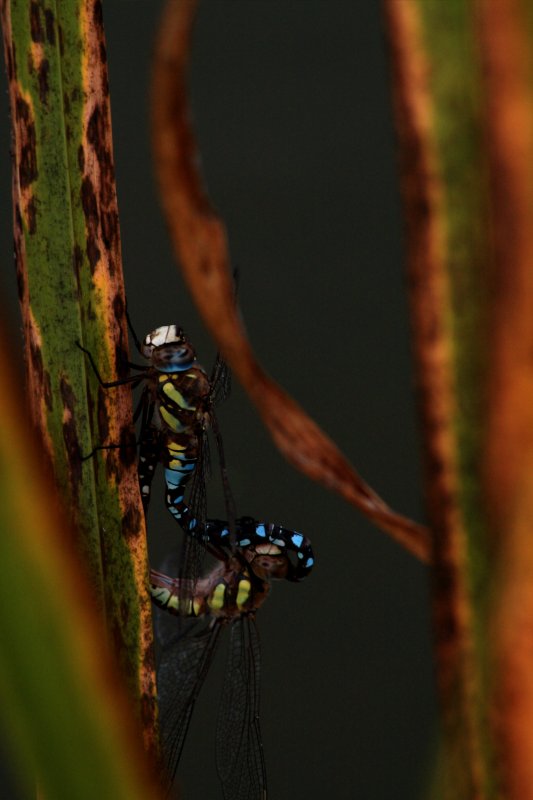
[[64, 711], [463, 94], [67, 244]]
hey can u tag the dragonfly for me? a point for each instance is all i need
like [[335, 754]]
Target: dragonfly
[[176, 408], [228, 596]]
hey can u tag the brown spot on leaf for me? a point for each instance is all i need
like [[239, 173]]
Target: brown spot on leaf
[[97, 136], [66, 102], [121, 360], [111, 469], [21, 281], [28, 156], [118, 308], [95, 129], [109, 228], [70, 436], [90, 209], [47, 390], [117, 637], [131, 522], [128, 445], [81, 158], [148, 704], [77, 263], [49, 22], [36, 357], [10, 66], [93, 253], [44, 69], [31, 214], [98, 15], [103, 53], [149, 658], [88, 200], [36, 28]]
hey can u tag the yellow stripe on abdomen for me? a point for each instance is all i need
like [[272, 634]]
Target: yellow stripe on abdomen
[[216, 601], [243, 593]]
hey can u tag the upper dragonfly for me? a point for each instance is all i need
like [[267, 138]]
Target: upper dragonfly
[[230, 594], [177, 407]]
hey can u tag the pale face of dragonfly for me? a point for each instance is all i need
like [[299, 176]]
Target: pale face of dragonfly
[[267, 561], [168, 348]]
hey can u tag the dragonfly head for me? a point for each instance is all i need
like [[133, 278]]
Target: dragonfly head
[[267, 561], [168, 349]]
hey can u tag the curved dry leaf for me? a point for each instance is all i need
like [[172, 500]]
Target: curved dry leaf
[[199, 239]]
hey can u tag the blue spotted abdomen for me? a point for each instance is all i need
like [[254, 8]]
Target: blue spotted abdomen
[[180, 459]]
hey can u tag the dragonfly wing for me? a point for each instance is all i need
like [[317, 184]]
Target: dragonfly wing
[[220, 381], [193, 551], [185, 661], [239, 748]]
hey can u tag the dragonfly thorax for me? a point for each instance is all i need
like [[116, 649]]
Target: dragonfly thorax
[[168, 348]]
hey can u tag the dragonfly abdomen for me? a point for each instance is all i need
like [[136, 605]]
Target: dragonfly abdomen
[[227, 596]]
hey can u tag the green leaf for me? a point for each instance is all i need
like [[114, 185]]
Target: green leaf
[[64, 709]]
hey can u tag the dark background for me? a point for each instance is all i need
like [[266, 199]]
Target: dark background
[[291, 104]]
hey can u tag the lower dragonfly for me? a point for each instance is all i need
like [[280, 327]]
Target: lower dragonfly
[[227, 596]]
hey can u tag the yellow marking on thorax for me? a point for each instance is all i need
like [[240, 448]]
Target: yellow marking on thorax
[[216, 601], [177, 397], [173, 422], [243, 593]]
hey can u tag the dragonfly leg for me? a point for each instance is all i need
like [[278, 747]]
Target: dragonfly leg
[[132, 331], [108, 447], [134, 379]]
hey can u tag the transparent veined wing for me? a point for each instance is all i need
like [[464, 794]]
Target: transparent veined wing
[[239, 748], [187, 650]]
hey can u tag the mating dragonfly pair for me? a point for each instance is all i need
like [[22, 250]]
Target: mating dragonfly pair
[[176, 408]]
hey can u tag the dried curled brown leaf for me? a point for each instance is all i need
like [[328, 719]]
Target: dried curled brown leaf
[[199, 240]]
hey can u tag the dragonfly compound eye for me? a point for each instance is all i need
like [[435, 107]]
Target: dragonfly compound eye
[[164, 335]]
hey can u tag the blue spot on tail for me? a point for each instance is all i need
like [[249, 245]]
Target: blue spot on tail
[[297, 539], [260, 530], [173, 478]]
